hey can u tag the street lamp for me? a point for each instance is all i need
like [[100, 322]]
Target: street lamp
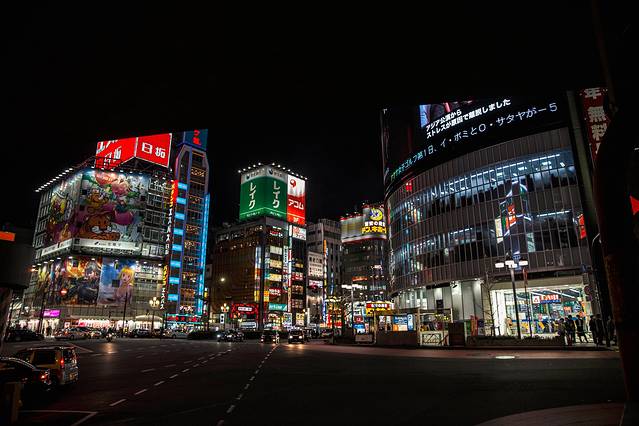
[[225, 309], [511, 264], [154, 303]]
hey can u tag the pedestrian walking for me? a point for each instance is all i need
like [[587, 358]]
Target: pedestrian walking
[[610, 328], [49, 329], [601, 330], [579, 324]]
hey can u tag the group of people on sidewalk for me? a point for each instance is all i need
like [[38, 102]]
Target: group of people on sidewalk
[[570, 328]]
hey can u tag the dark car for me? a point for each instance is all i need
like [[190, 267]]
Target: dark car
[[34, 380], [296, 336], [270, 336], [231, 336], [140, 332], [201, 335], [22, 335]]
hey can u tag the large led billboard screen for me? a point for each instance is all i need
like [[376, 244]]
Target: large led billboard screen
[[417, 138], [269, 191], [371, 224]]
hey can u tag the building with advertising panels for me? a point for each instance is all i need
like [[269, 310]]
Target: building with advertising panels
[[364, 272], [324, 237], [471, 184], [259, 264], [315, 289], [103, 238]]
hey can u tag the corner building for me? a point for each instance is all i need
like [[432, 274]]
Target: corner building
[[459, 204]]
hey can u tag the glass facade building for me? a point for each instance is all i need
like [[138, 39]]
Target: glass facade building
[[450, 224]]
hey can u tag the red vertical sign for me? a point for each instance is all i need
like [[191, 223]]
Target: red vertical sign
[[592, 101]]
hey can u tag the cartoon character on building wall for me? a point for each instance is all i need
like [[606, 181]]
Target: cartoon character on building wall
[[96, 200], [120, 186], [127, 279], [98, 227], [105, 178]]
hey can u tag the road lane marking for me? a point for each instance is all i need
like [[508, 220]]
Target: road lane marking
[[239, 396], [140, 391], [139, 356], [173, 376], [246, 386], [147, 370], [186, 362], [257, 371], [170, 365], [185, 370], [196, 365], [220, 423], [204, 362], [117, 402], [96, 354], [252, 378], [158, 383], [230, 409], [202, 357], [89, 414]]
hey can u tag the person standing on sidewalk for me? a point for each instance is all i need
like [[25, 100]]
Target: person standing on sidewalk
[[579, 324], [610, 328], [592, 325], [561, 330], [570, 330], [601, 330]]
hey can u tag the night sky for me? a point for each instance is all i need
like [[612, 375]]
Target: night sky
[[302, 92]]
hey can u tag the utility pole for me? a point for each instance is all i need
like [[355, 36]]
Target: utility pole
[[126, 299]]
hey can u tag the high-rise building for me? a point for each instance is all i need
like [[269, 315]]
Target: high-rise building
[[259, 264], [472, 184], [106, 230], [324, 237], [364, 252]]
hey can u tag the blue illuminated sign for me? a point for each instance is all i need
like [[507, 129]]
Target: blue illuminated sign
[[180, 200], [178, 231], [179, 216], [174, 280], [177, 247], [173, 297], [182, 185], [175, 264]]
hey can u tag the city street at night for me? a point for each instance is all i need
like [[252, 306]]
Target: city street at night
[[151, 381]]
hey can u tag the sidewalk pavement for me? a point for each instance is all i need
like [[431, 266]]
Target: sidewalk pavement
[[607, 414]]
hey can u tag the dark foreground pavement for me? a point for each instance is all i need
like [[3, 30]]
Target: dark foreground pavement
[[168, 382]]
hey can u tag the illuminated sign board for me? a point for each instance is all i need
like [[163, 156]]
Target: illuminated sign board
[[297, 276], [243, 309], [546, 298], [196, 138], [277, 306], [417, 138], [315, 283], [371, 224], [269, 191], [153, 148], [299, 233]]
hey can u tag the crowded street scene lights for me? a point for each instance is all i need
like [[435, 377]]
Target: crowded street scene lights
[[511, 264], [351, 287], [154, 304]]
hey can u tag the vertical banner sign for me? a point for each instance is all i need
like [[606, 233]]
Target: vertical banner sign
[[592, 101], [296, 209]]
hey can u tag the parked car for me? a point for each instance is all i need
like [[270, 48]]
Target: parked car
[[139, 332], [22, 335], [231, 336], [296, 336], [176, 334], [270, 336], [201, 335], [61, 361], [72, 333], [34, 380]]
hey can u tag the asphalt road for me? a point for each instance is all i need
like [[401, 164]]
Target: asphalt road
[[169, 382]]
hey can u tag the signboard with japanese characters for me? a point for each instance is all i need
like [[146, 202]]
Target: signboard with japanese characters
[[592, 101], [371, 224], [263, 192], [153, 148], [420, 137]]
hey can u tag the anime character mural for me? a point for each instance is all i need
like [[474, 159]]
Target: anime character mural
[[117, 281], [80, 280], [62, 208], [110, 205]]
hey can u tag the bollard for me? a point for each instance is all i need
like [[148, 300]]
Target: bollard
[[10, 402]]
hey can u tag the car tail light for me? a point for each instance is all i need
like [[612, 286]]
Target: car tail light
[[61, 362]]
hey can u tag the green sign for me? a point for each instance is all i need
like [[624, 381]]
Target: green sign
[[277, 306], [263, 192]]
